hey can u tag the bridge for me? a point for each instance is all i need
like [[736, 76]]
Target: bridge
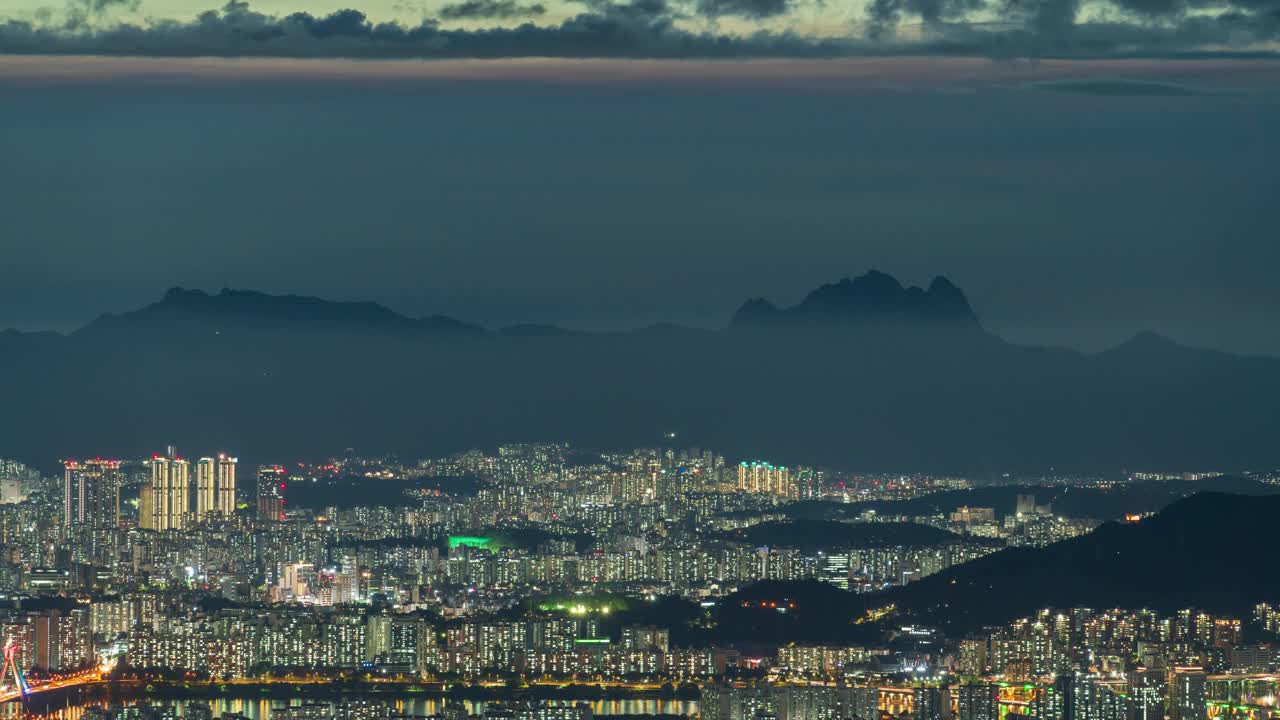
[[22, 690], [11, 669], [101, 676], [15, 686]]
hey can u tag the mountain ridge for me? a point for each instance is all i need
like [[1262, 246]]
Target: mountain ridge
[[853, 301], [869, 298], [230, 307], [874, 298], [882, 380]]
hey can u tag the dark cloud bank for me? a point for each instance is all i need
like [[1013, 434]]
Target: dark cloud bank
[[491, 9], [648, 28]]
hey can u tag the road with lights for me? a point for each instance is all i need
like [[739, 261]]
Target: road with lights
[[99, 676]]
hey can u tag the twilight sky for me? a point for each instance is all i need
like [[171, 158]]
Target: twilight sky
[[1077, 202], [640, 28]]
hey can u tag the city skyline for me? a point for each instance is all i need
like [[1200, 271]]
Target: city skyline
[[639, 360], [672, 574]]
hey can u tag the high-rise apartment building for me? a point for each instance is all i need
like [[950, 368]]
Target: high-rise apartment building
[[1187, 693], [215, 488], [346, 582], [225, 503], [646, 637], [931, 703], [91, 494], [978, 702], [62, 640], [170, 490], [206, 490], [295, 580], [1146, 694], [146, 507], [763, 478], [271, 488]]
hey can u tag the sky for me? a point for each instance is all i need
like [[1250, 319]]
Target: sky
[[1077, 202], [640, 28]]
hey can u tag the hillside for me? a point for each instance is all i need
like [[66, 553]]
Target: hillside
[[1209, 551]]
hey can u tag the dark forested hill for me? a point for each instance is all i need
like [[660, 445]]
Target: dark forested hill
[[1210, 551]]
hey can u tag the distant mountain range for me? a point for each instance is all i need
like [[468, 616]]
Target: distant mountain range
[[863, 373], [196, 312], [874, 300]]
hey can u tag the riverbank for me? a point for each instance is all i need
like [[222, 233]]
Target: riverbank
[[126, 691]]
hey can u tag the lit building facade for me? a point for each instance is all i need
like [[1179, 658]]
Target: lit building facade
[[91, 494], [170, 495]]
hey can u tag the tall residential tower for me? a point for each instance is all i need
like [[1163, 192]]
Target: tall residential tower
[[91, 494], [271, 492], [170, 494], [215, 488]]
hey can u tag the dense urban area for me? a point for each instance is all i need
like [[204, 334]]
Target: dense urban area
[[546, 582]]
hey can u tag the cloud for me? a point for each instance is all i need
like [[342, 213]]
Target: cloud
[[1052, 28], [1118, 87], [633, 10], [756, 9], [81, 14], [491, 9], [99, 6], [640, 28], [659, 29], [885, 14]]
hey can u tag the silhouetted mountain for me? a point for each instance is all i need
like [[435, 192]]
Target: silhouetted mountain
[[184, 311], [1199, 552], [862, 374], [874, 299]]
